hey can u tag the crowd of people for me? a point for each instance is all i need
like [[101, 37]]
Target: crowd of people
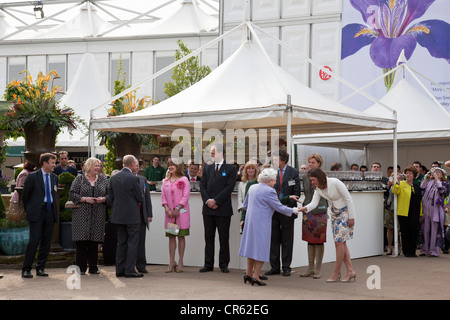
[[268, 204]]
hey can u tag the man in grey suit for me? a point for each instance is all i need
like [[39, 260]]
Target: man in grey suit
[[126, 200], [217, 183], [146, 211], [40, 200], [288, 184]]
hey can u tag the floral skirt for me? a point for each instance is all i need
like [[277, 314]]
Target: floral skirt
[[339, 223], [314, 227]]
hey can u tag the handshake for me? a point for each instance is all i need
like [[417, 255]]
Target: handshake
[[296, 210]]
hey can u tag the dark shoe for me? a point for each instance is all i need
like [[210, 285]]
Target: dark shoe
[[271, 272], [259, 283], [225, 270], [206, 269], [247, 278], [27, 274], [134, 275], [286, 273], [1, 277], [263, 277], [142, 271], [120, 274], [41, 273], [94, 272]]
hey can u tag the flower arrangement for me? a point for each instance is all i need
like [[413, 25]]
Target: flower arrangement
[[180, 184], [36, 102], [4, 181]]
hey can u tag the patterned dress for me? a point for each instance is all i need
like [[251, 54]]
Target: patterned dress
[[88, 221]]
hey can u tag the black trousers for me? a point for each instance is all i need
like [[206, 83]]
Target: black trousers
[[87, 253], [40, 235], [222, 225], [141, 260], [409, 229], [282, 238]]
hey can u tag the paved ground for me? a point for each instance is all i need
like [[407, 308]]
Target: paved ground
[[422, 278]]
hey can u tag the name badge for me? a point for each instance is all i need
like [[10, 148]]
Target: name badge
[[224, 174], [55, 188], [291, 183]]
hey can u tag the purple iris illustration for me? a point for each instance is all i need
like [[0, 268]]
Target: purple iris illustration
[[390, 28]]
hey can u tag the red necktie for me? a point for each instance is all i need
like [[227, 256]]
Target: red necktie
[[217, 169]]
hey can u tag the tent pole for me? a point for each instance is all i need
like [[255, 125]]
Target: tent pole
[[288, 129], [395, 196]]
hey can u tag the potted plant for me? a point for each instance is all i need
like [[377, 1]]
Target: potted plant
[[120, 144], [36, 113], [4, 182], [14, 236]]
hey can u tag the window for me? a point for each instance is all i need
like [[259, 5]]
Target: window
[[16, 68], [58, 64], [161, 63]]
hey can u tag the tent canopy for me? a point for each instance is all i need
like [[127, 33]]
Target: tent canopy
[[419, 118], [246, 91]]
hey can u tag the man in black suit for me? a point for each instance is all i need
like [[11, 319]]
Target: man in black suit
[[288, 184], [217, 183], [40, 200], [126, 200], [147, 216], [192, 171], [64, 165]]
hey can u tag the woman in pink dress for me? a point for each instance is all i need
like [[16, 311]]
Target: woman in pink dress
[[175, 193]]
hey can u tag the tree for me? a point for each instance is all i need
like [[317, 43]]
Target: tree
[[186, 73]]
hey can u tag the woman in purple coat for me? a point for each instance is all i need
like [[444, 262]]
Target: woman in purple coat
[[435, 186], [261, 202]]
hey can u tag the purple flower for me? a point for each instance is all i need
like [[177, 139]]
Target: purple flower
[[389, 30]]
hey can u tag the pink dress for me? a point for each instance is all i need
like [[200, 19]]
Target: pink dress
[[173, 194]]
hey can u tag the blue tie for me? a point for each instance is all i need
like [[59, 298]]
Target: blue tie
[[48, 192]]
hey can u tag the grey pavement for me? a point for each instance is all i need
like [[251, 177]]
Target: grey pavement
[[397, 278]]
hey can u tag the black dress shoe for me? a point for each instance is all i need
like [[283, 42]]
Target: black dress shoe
[[1, 277], [27, 274], [224, 270], [94, 272], [142, 271], [134, 275], [271, 272], [41, 273], [286, 273], [259, 283], [263, 277], [120, 275], [206, 269]]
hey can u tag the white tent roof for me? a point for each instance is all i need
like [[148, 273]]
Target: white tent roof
[[188, 19], [246, 91], [86, 23], [5, 27], [85, 92], [419, 117]]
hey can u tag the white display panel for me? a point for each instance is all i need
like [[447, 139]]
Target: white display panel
[[326, 7], [266, 9], [295, 8], [296, 37]]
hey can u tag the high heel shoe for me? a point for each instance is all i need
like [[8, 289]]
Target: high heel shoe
[[335, 280], [172, 269], [259, 283], [247, 278], [352, 277]]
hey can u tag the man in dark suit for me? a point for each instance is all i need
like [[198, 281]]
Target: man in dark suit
[[288, 184], [192, 171], [64, 165], [126, 200], [147, 216], [40, 200], [217, 183]]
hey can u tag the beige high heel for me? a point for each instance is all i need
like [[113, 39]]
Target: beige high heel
[[335, 280], [352, 277], [173, 269]]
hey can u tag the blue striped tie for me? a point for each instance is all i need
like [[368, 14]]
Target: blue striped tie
[[48, 192]]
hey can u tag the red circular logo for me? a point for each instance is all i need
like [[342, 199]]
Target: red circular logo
[[323, 75]]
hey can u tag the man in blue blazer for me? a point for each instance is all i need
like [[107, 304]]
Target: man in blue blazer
[[40, 200], [217, 183]]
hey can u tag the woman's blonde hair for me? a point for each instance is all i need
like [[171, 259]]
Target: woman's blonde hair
[[90, 163], [178, 171], [316, 156], [250, 165]]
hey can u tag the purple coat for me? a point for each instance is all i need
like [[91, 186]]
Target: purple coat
[[261, 202]]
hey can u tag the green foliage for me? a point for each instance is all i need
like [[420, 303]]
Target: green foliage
[[65, 215], [5, 223], [66, 178], [17, 172], [2, 209], [186, 73], [36, 102]]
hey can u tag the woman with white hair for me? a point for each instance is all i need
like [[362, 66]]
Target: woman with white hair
[[261, 202]]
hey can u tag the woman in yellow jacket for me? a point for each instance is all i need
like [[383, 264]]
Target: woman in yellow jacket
[[408, 211]]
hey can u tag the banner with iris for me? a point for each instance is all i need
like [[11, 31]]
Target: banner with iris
[[391, 27]]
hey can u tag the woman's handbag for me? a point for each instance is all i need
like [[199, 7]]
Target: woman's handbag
[[70, 205], [173, 228]]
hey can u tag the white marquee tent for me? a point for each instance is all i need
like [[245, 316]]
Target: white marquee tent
[[246, 91]]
